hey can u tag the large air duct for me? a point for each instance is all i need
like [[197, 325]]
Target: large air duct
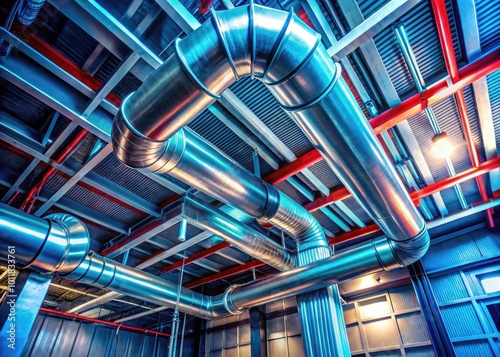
[[58, 243], [287, 56]]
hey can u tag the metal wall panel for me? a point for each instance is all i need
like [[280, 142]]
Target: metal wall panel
[[403, 298], [448, 287], [54, 337], [410, 328], [487, 18], [461, 320], [473, 348], [444, 254]]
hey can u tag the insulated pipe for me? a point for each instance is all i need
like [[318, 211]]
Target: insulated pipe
[[59, 242]]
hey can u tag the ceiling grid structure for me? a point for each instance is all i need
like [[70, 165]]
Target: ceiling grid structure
[[119, 46]]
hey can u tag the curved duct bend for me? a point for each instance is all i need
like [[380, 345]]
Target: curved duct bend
[[284, 53], [58, 243]]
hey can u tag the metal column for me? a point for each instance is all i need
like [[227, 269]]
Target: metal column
[[20, 309], [440, 339], [257, 325]]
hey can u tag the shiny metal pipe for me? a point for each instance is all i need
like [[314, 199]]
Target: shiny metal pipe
[[284, 53], [106, 273], [59, 242], [240, 235], [370, 257]]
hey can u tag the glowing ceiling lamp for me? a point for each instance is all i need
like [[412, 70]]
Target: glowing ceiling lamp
[[441, 146]]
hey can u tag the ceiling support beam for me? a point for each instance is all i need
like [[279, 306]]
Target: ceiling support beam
[[415, 104], [443, 28], [461, 177], [472, 47]]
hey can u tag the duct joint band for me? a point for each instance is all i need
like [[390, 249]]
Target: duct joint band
[[253, 39], [190, 73], [272, 202], [228, 303], [222, 40], [172, 154], [301, 64], [328, 89], [279, 43], [385, 253]]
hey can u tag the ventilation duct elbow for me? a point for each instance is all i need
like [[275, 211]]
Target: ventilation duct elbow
[[289, 58]]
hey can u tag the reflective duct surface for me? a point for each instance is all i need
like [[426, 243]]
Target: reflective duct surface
[[283, 52]]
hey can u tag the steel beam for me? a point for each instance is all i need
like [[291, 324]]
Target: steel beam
[[370, 27], [472, 46]]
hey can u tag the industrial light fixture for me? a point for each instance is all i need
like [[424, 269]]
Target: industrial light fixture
[[441, 146]]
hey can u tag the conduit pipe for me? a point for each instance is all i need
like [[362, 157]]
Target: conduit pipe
[[44, 248]]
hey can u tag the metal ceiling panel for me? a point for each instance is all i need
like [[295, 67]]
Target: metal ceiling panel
[[494, 92], [23, 106], [421, 29], [487, 20], [325, 174], [258, 98], [68, 36], [212, 129], [472, 113], [127, 85], [104, 205]]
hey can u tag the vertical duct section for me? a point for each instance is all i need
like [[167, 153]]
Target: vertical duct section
[[284, 53]]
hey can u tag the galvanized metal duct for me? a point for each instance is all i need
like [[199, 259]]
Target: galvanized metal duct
[[59, 242], [285, 54]]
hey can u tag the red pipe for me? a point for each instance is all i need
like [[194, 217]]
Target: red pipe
[[59, 159], [226, 273], [294, 167], [103, 322], [445, 38], [443, 28], [204, 6], [411, 106], [465, 175], [197, 256]]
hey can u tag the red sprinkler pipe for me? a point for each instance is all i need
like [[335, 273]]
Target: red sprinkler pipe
[[226, 273], [103, 322], [59, 159], [411, 106], [445, 38], [197, 256], [204, 6], [463, 176]]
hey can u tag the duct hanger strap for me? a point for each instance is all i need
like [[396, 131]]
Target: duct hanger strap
[[190, 74]]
